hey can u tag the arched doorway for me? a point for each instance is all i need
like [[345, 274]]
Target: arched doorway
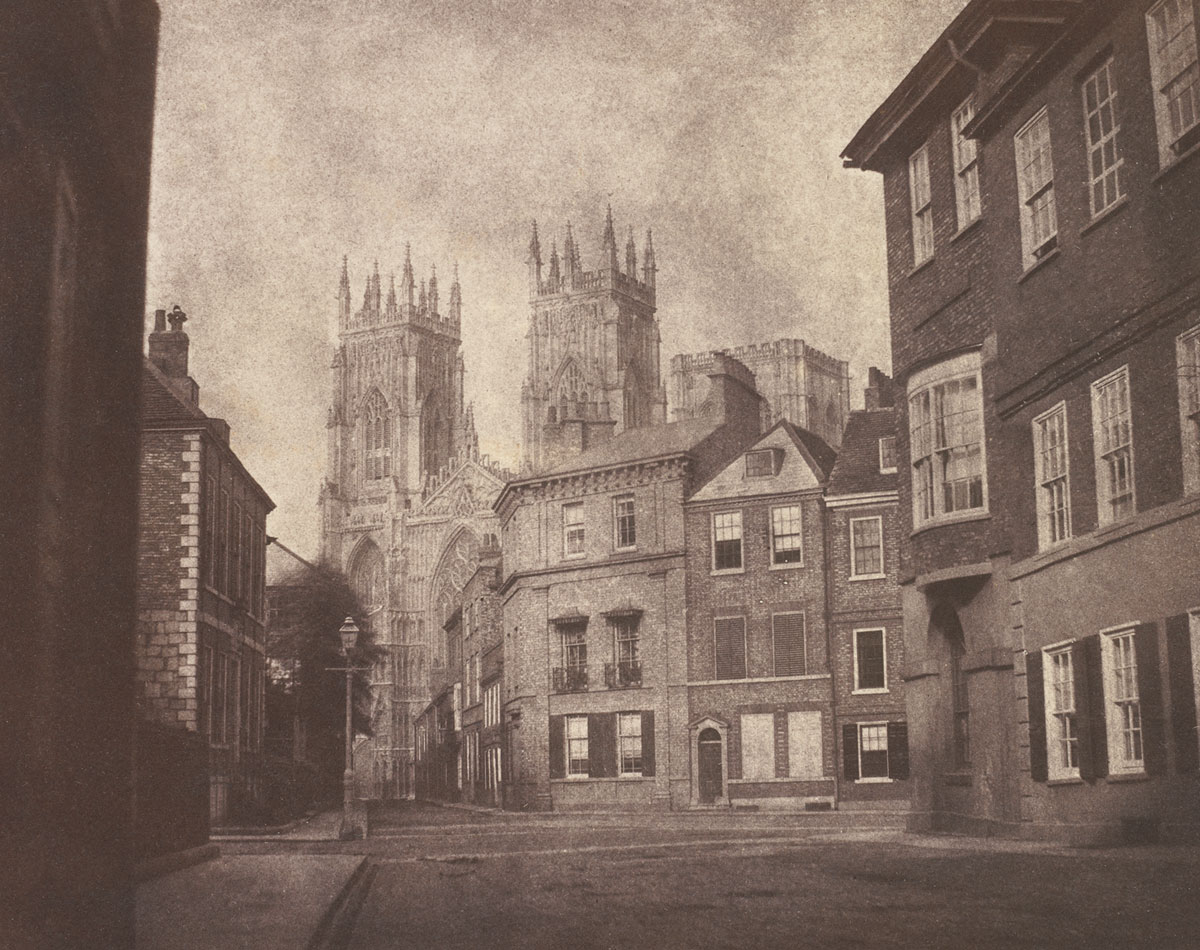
[[710, 769]]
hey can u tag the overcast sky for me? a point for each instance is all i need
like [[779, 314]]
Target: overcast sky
[[291, 132]]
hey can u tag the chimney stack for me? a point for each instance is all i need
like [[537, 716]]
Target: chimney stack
[[169, 352]]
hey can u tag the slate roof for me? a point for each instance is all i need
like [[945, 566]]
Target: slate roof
[[160, 403], [672, 438], [857, 466], [818, 448]]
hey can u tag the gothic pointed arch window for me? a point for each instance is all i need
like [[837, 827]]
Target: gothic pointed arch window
[[571, 394], [435, 435], [368, 577], [375, 422]]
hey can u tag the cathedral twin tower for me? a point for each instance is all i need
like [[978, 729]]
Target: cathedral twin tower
[[593, 349], [407, 503]]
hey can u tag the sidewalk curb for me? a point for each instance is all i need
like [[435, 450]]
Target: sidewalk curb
[[175, 861], [342, 908]]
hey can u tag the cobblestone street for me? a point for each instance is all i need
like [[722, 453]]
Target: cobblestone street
[[448, 878]]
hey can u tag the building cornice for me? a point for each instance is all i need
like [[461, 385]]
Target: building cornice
[[862, 499]]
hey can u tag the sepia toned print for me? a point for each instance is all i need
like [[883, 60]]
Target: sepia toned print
[[706, 474]]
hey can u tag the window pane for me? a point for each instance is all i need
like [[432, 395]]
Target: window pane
[[786, 535], [869, 659], [867, 546]]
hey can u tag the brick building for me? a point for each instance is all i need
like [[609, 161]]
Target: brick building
[[76, 120], [798, 383], [1041, 182], [759, 726], [482, 665], [201, 657], [594, 707], [866, 630]]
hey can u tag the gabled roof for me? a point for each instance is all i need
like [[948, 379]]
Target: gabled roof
[[283, 563], [160, 402], [818, 449], [857, 468], [805, 464]]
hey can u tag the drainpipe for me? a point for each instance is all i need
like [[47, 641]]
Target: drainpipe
[[829, 655]]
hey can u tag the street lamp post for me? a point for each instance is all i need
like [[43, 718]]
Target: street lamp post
[[349, 636]]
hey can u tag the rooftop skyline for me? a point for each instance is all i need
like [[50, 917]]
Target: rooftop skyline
[[289, 134]]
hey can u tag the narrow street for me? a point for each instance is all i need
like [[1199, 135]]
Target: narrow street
[[449, 878]]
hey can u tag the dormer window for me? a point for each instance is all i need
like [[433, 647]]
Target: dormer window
[[763, 462], [887, 455]]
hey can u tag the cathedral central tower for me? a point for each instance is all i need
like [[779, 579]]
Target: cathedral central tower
[[593, 348]]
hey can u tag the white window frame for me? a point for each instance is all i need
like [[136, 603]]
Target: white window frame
[[1187, 354], [1051, 481], [1108, 451], [1034, 154], [967, 200], [1122, 711], [921, 200], [618, 501], [623, 718], [569, 739], [1175, 127], [571, 528], [855, 575], [772, 455], [1103, 152], [883, 468], [873, 779], [798, 534], [1061, 711], [932, 462], [741, 539], [869, 690]]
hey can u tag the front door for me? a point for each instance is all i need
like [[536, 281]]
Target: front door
[[710, 766]]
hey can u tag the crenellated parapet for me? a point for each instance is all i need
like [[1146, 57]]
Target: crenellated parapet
[[408, 305]]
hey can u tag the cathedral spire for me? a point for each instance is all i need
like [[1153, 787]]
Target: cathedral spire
[[455, 297], [421, 300], [569, 255], [376, 297], [391, 297], [406, 277], [344, 293], [631, 256], [535, 262], [608, 253], [433, 291], [648, 268], [554, 262]]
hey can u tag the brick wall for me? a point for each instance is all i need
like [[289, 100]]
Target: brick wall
[[168, 572]]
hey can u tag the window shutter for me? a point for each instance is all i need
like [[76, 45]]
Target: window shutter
[[788, 633], [781, 744], [897, 733], [558, 751], [1039, 769], [730, 648], [1097, 748], [735, 747], [1087, 737], [1181, 678], [1145, 646], [602, 745], [648, 743], [850, 751]]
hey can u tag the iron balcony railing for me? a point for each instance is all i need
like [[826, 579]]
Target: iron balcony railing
[[625, 673], [570, 679]]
